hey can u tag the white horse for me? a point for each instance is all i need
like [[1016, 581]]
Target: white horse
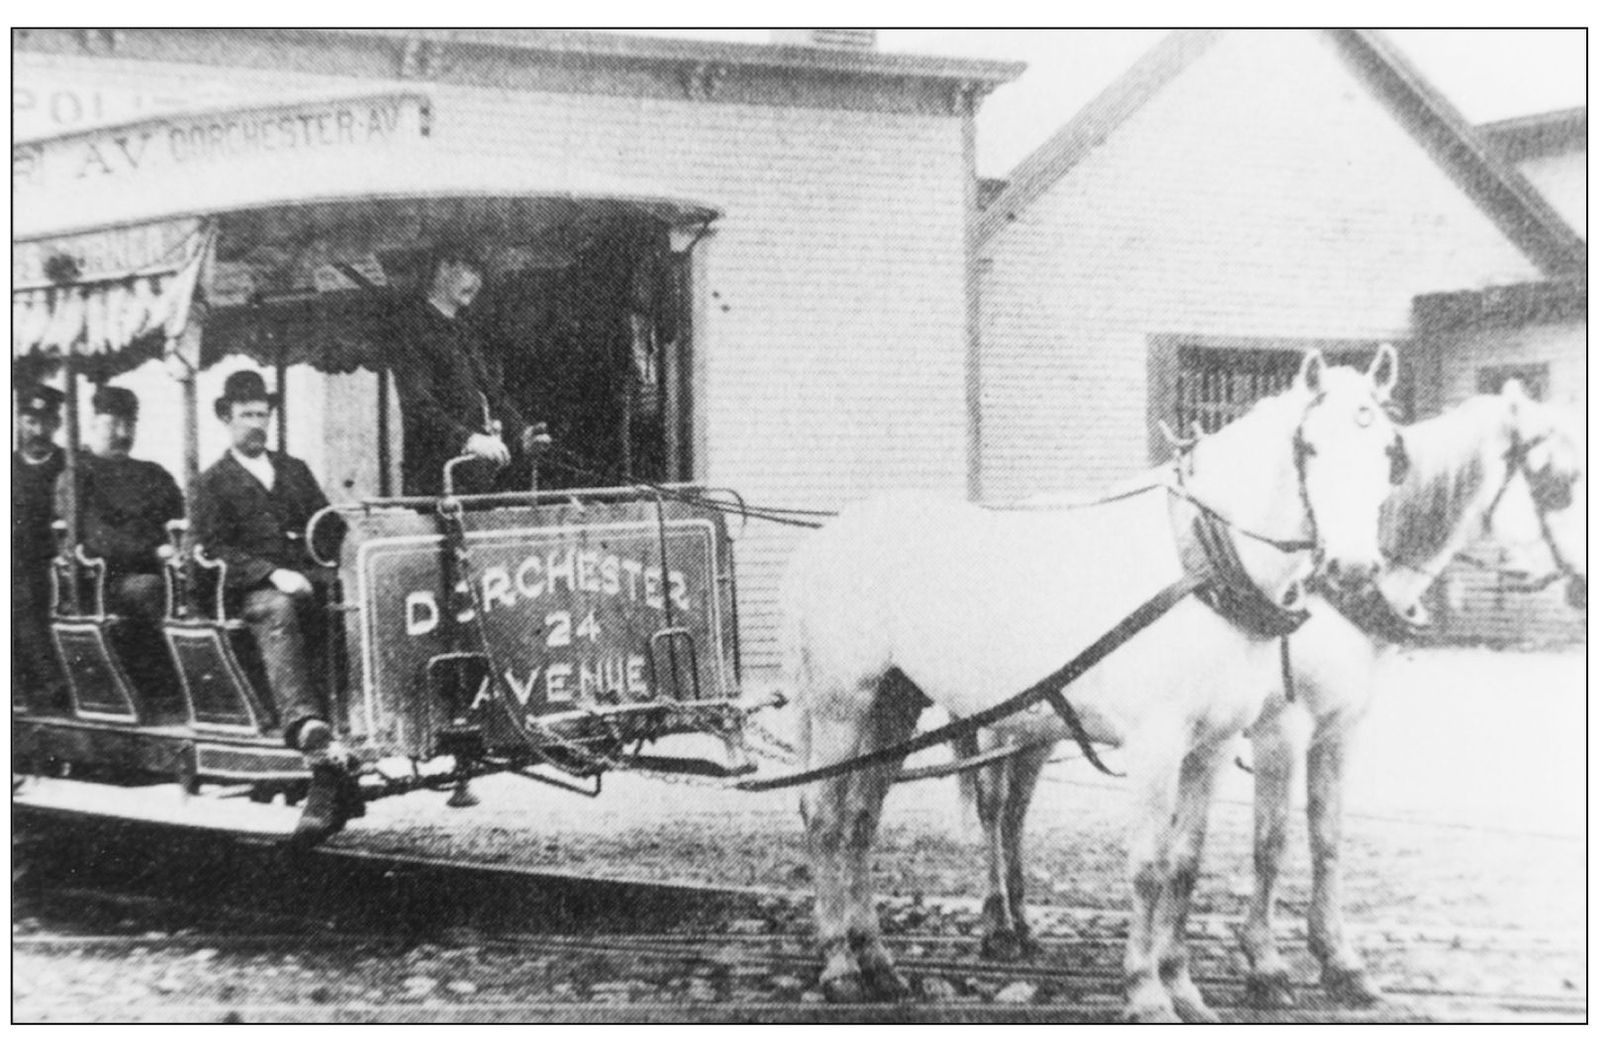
[[1501, 467], [910, 599]]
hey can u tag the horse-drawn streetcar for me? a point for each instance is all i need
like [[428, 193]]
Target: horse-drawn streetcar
[[557, 632], [560, 632]]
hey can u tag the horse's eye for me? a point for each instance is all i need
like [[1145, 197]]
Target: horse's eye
[[1365, 417]]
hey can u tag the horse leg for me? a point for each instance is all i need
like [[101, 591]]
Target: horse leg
[[1156, 782], [1274, 755], [1341, 968], [1198, 773], [1025, 772], [895, 715], [990, 788], [832, 732]]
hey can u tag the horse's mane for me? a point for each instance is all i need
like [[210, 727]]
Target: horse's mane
[[1450, 460]]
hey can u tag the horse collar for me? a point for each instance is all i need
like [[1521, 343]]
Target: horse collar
[[1208, 552]]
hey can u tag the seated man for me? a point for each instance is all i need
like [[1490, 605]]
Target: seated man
[[251, 509], [124, 506], [36, 677]]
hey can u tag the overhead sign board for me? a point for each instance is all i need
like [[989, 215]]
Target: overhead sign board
[[226, 142]]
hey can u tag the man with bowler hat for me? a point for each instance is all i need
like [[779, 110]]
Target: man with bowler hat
[[35, 466], [251, 511], [124, 506]]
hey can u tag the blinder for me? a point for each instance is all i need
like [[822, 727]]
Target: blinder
[[1398, 454]]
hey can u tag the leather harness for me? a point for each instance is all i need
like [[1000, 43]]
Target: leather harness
[[1213, 572]]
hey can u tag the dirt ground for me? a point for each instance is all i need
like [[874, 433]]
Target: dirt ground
[[1466, 845], [1467, 811]]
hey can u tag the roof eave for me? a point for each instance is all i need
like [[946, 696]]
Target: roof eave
[[1524, 216], [618, 46]]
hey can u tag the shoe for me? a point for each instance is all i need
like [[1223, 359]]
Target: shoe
[[332, 799], [314, 739]]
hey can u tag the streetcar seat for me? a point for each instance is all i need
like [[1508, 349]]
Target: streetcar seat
[[94, 645], [220, 671]]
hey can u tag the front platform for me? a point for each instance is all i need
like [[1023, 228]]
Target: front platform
[[166, 805]]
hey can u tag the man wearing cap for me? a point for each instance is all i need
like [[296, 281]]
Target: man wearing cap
[[452, 395], [251, 512], [124, 506], [35, 466]]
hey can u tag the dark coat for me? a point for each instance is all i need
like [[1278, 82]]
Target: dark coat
[[124, 506], [255, 530], [33, 489], [449, 389]]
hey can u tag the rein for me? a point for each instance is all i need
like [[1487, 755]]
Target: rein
[[1048, 688]]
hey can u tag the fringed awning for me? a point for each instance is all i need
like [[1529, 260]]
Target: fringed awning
[[96, 295]]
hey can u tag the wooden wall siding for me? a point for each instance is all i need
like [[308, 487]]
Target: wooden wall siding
[[1263, 193], [833, 323], [1476, 606], [1563, 180]]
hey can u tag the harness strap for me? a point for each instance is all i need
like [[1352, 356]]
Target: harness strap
[[1285, 669], [1064, 709], [1049, 686]]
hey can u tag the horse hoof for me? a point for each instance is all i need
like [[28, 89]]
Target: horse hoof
[[1271, 990], [848, 989], [1351, 987], [1150, 1013], [1192, 1010], [1002, 945], [883, 983]]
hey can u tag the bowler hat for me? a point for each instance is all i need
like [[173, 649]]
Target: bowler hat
[[41, 401], [116, 401], [244, 387]]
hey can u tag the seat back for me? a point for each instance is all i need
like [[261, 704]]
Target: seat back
[[96, 677], [211, 651]]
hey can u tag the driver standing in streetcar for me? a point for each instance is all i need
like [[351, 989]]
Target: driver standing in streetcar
[[451, 391]]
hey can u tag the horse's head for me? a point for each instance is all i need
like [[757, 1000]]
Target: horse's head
[[1332, 455], [1539, 518], [1349, 454]]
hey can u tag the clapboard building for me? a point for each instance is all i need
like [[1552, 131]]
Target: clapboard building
[[820, 351], [1235, 198]]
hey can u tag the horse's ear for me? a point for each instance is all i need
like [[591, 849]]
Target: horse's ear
[[1530, 419], [1311, 373], [1384, 370], [1514, 390]]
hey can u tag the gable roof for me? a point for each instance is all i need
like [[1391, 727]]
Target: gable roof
[[1533, 136], [1513, 205]]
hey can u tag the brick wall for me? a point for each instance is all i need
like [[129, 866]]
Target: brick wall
[[1262, 194]]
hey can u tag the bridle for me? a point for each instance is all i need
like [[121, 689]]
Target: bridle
[[1301, 451], [1549, 493]]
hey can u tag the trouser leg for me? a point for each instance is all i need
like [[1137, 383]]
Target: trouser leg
[[36, 675], [139, 598], [275, 621]]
